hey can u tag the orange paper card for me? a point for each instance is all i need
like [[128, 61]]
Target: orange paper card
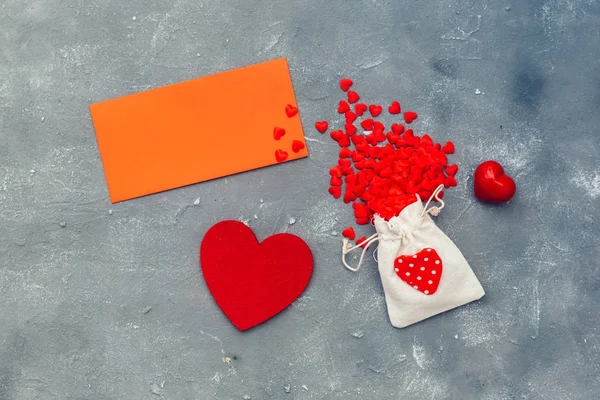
[[198, 130]]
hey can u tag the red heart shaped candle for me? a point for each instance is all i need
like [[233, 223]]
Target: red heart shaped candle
[[251, 281], [492, 184]]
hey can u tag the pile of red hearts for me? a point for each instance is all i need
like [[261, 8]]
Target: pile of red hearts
[[384, 170]]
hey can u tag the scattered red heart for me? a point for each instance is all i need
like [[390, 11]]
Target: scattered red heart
[[394, 108], [297, 146], [278, 133], [281, 155], [291, 111], [346, 84]]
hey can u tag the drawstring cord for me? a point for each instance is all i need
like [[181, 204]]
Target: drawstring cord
[[346, 248], [434, 210]]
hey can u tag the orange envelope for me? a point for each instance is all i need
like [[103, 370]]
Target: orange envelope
[[197, 130]]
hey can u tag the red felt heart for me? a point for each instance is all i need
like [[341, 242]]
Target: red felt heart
[[398, 129], [360, 109], [350, 117], [410, 116], [321, 126], [297, 146], [394, 108], [349, 233], [290, 110], [281, 155], [353, 97], [251, 281], [345, 84], [335, 191], [448, 148], [278, 133], [492, 184], [367, 124], [422, 271], [452, 169], [375, 110], [344, 107]]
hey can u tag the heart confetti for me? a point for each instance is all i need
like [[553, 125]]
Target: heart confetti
[[360, 109], [322, 126], [375, 110], [410, 116], [353, 97], [281, 155], [297, 146], [384, 170], [344, 107], [278, 133], [394, 108], [346, 84], [291, 111]]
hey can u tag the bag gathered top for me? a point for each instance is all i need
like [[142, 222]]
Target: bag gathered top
[[422, 271]]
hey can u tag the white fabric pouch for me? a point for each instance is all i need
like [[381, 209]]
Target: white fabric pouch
[[422, 271]]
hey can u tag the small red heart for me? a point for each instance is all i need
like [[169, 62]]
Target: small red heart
[[350, 117], [398, 129], [251, 281], [336, 135], [353, 97], [297, 146], [336, 191], [345, 84], [367, 124], [360, 109], [350, 129], [394, 108], [344, 107], [362, 242], [349, 233], [375, 110], [451, 170], [450, 182], [410, 116], [281, 155], [291, 111], [448, 148], [492, 184], [322, 126], [422, 271], [278, 133]]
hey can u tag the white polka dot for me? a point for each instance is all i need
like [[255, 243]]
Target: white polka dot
[[400, 260], [408, 274], [416, 287], [426, 292], [415, 256], [422, 268], [437, 261], [428, 249], [433, 272], [426, 259], [419, 278], [411, 265], [396, 269], [430, 282]]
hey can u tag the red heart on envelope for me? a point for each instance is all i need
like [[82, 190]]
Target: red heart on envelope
[[251, 281]]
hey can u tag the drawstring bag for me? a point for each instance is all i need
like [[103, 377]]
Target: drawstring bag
[[422, 271]]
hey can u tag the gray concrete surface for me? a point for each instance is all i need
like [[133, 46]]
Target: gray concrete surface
[[518, 81]]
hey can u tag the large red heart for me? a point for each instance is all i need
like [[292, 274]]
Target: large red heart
[[251, 281], [492, 184]]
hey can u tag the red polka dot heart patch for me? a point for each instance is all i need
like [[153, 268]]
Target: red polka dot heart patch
[[422, 271]]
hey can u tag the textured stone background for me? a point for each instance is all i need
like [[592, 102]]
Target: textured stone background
[[518, 81]]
